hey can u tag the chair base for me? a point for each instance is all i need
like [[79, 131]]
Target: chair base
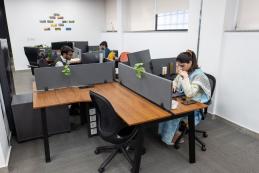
[[185, 131], [115, 150]]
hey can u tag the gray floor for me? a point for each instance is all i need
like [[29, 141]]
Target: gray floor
[[228, 151]]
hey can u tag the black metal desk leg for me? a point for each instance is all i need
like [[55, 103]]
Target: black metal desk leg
[[45, 134], [138, 152], [84, 111], [191, 124]]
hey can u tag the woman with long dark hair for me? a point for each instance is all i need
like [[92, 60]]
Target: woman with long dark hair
[[193, 82]]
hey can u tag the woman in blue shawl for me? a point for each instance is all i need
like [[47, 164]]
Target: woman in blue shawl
[[194, 83]]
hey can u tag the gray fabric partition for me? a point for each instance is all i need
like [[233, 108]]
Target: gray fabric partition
[[157, 64], [154, 88], [141, 57], [81, 75]]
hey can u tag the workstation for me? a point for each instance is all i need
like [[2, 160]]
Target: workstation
[[128, 86]]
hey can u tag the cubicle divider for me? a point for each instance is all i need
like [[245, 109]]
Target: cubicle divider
[[81, 75], [152, 87], [158, 64], [141, 57]]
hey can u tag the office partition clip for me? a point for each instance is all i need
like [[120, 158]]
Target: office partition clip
[[162, 105]]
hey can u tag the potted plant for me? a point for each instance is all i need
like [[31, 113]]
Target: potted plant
[[66, 70], [139, 70]]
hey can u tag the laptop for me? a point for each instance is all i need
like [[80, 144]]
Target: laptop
[[177, 94]]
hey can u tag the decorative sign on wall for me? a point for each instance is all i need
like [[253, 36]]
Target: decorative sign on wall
[[56, 22]]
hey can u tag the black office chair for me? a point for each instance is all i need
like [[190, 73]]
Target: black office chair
[[32, 54], [184, 129], [111, 129]]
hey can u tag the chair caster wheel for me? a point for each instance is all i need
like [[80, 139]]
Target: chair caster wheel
[[96, 151], [205, 135], [101, 170], [176, 146], [203, 148]]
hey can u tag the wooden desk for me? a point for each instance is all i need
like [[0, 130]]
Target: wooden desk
[[136, 110], [131, 107]]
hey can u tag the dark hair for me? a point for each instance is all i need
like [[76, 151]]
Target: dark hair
[[104, 43], [186, 57], [66, 49]]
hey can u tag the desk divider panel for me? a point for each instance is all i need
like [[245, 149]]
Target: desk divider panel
[[154, 88], [157, 64], [140, 57], [81, 75]]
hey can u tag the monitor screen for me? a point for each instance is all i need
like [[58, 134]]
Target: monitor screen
[[88, 58], [83, 45], [59, 45], [93, 48], [92, 57]]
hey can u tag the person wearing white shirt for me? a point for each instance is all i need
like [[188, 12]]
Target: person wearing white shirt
[[66, 56]]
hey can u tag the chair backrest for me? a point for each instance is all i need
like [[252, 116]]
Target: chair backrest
[[109, 123], [124, 57], [212, 81], [32, 54]]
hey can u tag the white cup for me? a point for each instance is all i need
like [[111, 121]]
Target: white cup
[[174, 104], [164, 70]]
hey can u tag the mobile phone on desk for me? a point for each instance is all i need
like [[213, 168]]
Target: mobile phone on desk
[[188, 102]]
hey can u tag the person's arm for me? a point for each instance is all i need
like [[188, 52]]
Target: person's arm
[[176, 83], [190, 90]]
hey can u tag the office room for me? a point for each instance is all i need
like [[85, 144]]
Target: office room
[[129, 86]]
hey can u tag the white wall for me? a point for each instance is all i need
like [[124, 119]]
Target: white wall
[[25, 30], [212, 29], [161, 44], [111, 15], [5, 149], [164, 6], [140, 15], [238, 97], [248, 16]]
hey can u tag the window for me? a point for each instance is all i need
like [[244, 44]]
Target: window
[[248, 16], [150, 15], [172, 20]]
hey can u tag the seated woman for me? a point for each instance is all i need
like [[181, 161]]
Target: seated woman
[[194, 83]]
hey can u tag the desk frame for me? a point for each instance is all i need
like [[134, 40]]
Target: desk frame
[[140, 136]]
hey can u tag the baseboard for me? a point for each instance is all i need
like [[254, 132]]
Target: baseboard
[[8, 156], [238, 127]]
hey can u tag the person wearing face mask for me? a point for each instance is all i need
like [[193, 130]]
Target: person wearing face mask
[[194, 83], [104, 46], [66, 56]]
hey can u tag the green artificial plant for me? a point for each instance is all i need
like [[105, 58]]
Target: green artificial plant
[[66, 70], [139, 69]]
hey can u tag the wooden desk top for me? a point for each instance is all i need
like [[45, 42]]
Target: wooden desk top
[[43, 99], [181, 108], [131, 107]]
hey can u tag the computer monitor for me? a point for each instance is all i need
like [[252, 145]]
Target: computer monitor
[[88, 58], [77, 53], [92, 57], [60, 44], [141, 57], [83, 45], [93, 48]]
